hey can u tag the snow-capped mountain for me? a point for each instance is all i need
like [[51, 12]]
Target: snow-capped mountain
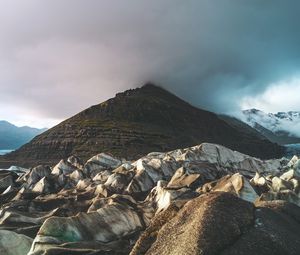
[[281, 127]]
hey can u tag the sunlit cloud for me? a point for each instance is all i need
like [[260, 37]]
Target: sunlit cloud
[[280, 96]]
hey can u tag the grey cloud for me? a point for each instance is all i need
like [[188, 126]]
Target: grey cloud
[[60, 56]]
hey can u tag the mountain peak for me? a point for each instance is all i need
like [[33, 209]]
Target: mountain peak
[[252, 111], [150, 85], [147, 89], [6, 123]]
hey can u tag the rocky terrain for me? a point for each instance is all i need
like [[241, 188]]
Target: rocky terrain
[[205, 199], [135, 123]]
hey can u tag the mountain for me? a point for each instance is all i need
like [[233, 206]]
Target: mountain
[[281, 127], [12, 137], [134, 123]]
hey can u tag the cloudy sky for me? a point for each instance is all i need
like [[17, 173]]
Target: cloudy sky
[[58, 57]]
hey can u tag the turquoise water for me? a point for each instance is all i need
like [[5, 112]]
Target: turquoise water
[[3, 152]]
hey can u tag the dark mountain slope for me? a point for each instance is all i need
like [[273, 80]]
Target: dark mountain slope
[[134, 123], [280, 137], [240, 125]]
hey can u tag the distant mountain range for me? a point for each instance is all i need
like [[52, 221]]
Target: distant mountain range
[[282, 127], [135, 123], [12, 137]]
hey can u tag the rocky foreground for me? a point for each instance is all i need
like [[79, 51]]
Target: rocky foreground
[[205, 199]]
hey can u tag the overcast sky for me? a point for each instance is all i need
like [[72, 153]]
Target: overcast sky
[[58, 57]]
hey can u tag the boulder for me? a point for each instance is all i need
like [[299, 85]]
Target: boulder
[[83, 184], [294, 163], [148, 171], [279, 184], [289, 175], [220, 223], [102, 191], [76, 176], [43, 186], [207, 224], [195, 174], [12, 243], [7, 178], [286, 195], [103, 226], [8, 194], [101, 162], [261, 183], [76, 162], [63, 167], [259, 180], [102, 176], [117, 182], [36, 174], [235, 184]]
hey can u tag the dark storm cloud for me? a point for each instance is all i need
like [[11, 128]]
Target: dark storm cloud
[[60, 56]]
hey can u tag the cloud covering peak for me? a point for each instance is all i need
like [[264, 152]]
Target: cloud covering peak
[[60, 56]]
